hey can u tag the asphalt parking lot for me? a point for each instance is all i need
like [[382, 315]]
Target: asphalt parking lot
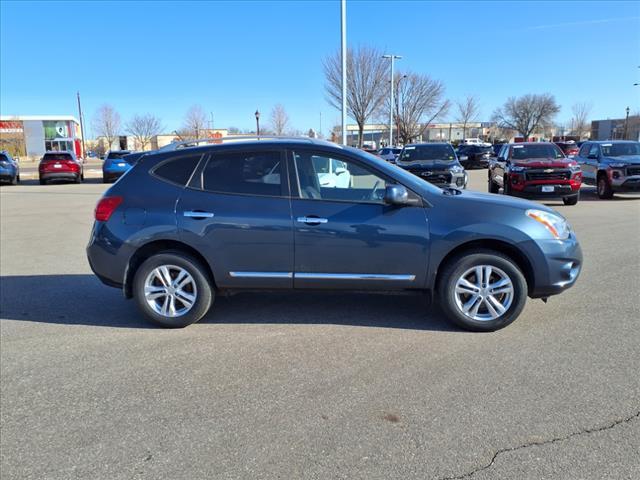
[[311, 385]]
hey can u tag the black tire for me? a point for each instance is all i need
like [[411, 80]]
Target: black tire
[[78, 179], [493, 186], [43, 182], [456, 267], [18, 179], [105, 179], [605, 191], [571, 200], [204, 297], [14, 180]]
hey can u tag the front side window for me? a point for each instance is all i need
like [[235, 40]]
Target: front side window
[[584, 150], [321, 177], [247, 173], [593, 150]]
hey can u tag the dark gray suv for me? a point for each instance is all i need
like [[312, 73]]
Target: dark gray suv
[[184, 225]]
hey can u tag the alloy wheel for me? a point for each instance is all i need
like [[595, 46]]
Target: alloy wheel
[[170, 290], [484, 293]]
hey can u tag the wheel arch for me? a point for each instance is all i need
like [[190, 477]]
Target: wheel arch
[[157, 246], [499, 246]]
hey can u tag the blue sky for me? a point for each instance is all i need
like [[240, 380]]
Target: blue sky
[[231, 57]]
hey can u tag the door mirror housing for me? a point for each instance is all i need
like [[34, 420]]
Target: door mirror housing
[[396, 195]]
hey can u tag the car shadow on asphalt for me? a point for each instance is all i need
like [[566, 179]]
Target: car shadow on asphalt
[[83, 300]]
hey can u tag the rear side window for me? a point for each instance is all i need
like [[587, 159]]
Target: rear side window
[[247, 173], [177, 170], [113, 155]]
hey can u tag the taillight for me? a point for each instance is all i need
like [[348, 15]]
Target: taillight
[[105, 208]]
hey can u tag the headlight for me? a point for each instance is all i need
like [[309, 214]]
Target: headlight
[[617, 165], [555, 224], [457, 169], [517, 169]]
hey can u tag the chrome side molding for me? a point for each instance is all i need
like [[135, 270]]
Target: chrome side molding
[[325, 276]]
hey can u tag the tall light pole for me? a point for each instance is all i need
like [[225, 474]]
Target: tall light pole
[[343, 56], [392, 57], [626, 122], [257, 114], [84, 151]]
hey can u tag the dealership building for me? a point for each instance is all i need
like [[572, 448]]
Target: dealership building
[[32, 136]]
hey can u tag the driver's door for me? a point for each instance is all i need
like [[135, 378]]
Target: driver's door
[[345, 236]]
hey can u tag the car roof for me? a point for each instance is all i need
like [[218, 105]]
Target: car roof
[[426, 144], [531, 143], [600, 142]]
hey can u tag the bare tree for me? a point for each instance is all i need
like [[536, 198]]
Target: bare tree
[[367, 83], [195, 123], [279, 119], [580, 120], [419, 102], [143, 128], [527, 114], [468, 111], [106, 123]]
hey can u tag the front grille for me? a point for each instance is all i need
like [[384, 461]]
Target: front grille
[[633, 171], [548, 174], [437, 178]]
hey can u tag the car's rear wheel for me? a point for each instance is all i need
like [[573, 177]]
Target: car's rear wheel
[[571, 200], [604, 187], [482, 290], [42, 182], [172, 289]]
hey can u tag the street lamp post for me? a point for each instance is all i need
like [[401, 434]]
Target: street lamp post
[[257, 122], [343, 61], [626, 122], [392, 58]]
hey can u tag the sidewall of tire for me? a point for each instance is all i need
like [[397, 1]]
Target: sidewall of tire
[[454, 269], [204, 298]]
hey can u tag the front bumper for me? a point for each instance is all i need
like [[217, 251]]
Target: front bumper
[[535, 191], [556, 266], [626, 184]]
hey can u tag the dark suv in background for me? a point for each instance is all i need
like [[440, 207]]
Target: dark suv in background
[[296, 214], [436, 163], [535, 170], [613, 166], [471, 156]]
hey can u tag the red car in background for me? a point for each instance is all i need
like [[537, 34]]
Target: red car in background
[[60, 166], [535, 170], [570, 148]]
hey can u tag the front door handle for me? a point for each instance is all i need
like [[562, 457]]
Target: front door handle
[[312, 220], [197, 214]]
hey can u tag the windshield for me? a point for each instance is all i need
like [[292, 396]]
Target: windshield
[[418, 153], [620, 149], [542, 150]]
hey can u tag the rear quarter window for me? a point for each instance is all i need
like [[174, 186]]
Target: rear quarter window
[[177, 170]]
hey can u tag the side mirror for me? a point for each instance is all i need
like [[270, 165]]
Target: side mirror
[[396, 195]]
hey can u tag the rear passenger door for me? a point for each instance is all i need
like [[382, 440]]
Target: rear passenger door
[[236, 211]]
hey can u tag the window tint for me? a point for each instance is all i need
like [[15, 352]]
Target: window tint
[[3, 158], [177, 170], [584, 150], [541, 150], [249, 173], [324, 178], [428, 152], [620, 149], [48, 157], [593, 150]]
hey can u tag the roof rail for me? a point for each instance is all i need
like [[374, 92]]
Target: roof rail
[[229, 138]]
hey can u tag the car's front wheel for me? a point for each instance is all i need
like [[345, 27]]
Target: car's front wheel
[[571, 200], [482, 290], [172, 289], [604, 187], [493, 186]]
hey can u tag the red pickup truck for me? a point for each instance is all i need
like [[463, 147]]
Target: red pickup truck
[[535, 170]]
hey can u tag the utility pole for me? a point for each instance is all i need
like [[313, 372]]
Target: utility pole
[[392, 58], [626, 122], [211, 127], [343, 54], [320, 130], [84, 150]]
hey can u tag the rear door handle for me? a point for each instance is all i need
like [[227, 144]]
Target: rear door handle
[[312, 220], [197, 214]]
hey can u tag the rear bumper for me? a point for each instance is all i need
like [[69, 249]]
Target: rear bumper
[[59, 175], [106, 257]]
